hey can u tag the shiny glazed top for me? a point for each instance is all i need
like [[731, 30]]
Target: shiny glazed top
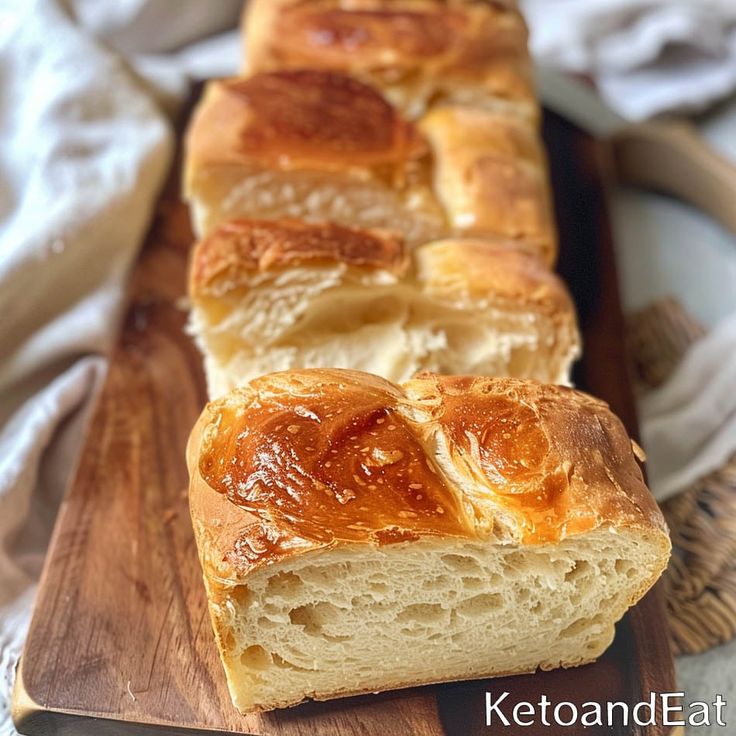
[[327, 456], [341, 466]]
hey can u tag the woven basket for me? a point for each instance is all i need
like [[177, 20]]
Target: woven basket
[[700, 582]]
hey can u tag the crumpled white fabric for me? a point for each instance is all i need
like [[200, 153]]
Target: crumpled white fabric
[[85, 147], [664, 250], [646, 56], [688, 424]]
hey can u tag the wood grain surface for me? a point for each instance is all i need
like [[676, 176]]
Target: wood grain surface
[[120, 642]]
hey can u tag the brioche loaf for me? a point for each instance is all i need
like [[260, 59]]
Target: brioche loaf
[[357, 536], [274, 295]]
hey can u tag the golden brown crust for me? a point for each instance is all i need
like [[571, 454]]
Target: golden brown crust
[[557, 458], [386, 42], [491, 175], [502, 270], [305, 459], [238, 249], [299, 119], [452, 270]]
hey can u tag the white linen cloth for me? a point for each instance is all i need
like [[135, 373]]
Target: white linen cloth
[[85, 91], [689, 423], [84, 150], [646, 56]]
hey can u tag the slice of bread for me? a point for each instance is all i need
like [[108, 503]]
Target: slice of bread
[[357, 536], [311, 145], [269, 296], [320, 146], [417, 52]]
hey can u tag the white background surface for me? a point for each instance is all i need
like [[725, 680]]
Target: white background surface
[[667, 248]]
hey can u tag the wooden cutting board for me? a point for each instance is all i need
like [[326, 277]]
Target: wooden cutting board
[[120, 642]]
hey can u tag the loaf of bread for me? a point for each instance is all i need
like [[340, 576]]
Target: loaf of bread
[[357, 535], [273, 295], [417, 52]]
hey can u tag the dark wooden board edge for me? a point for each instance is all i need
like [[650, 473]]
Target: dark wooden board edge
[[575, 159], [605, 368]]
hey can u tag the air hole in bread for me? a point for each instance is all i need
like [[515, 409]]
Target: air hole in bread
[[471, 583], [479, 605], [462, 564], [580, 569], [440, 581], [514, 562], [422, 613], [379, 587], [284, 584], [621, 567], [256, 658], [240, 595], [577, 627], [282, 663], [312, 617]]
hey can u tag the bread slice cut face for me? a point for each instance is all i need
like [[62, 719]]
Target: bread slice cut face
[[357, 536], [269, 296]]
